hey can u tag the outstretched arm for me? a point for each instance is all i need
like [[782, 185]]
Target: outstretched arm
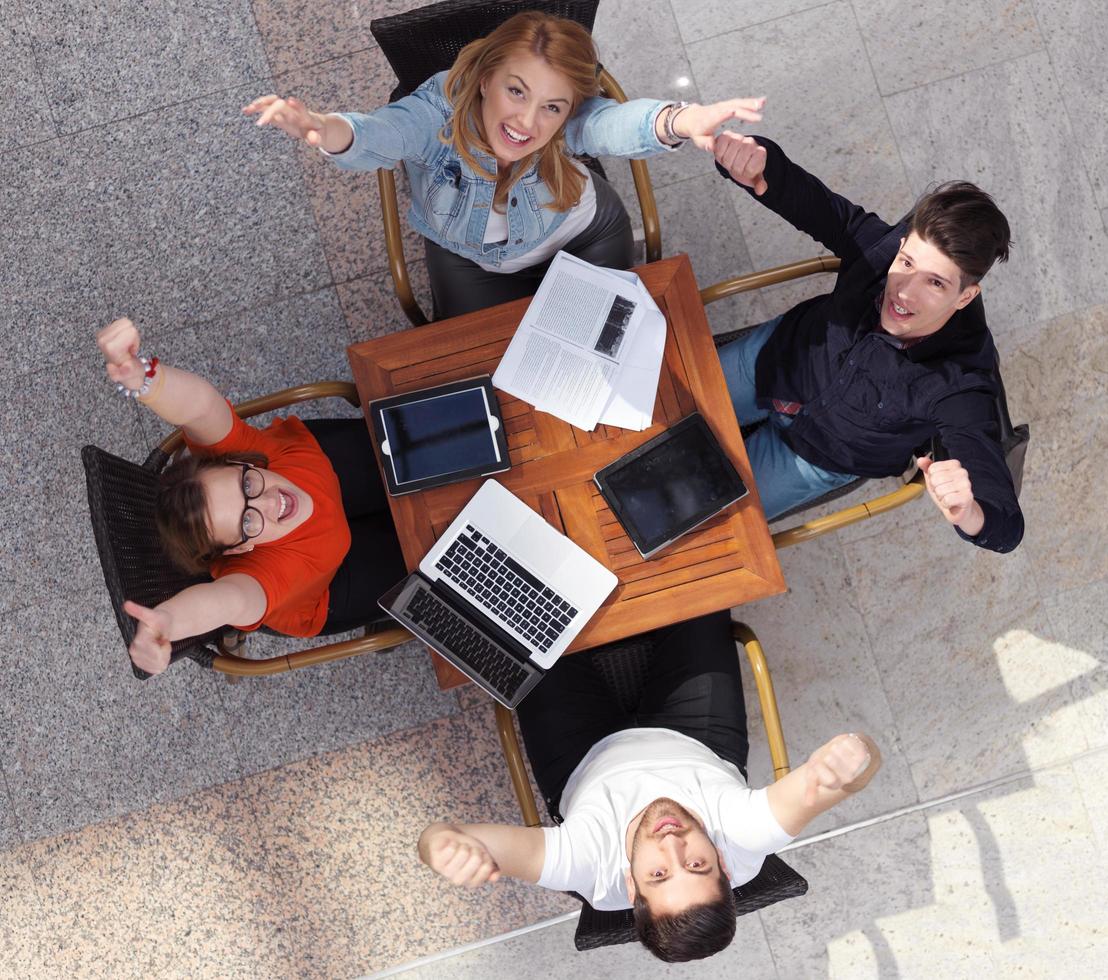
[[234, 599], [471, 854], [843, 766], [761, 166], [181, 398]]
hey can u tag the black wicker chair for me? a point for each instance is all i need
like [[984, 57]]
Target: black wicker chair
[[623, 666], [423, 42], [121, 506]]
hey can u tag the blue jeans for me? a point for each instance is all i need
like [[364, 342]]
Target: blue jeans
[[784, 479]]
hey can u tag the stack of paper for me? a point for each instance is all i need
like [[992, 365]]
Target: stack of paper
[[589, 349]]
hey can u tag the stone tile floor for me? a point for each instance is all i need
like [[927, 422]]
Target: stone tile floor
[[187, 827]]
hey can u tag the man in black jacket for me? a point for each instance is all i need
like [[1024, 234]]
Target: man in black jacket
[[851, 383]]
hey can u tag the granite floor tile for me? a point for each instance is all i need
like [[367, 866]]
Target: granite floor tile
[[22, 954], [699, 19], [1000, 127], [977, 691], [1089, 775], [22, 81], [319, 709], [179, 891], [694, 222], [1065, 510], [550, 953], [9, 828], [908, 47], [184, 214], [103, 63], [1053, 364], [93, 741], [291, 342], [824, 110], [371, 307], [1075, 39], [343, 830], [825, 678], [957, 892], [635, 39], [347, 204], [299, 33], [1080, 622]]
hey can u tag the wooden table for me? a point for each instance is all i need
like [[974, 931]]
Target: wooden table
[[727, 561]]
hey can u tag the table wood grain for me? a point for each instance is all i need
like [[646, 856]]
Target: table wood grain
[[727, 561]]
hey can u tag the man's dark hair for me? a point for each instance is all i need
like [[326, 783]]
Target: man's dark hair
[[697, 932], [964, 223]]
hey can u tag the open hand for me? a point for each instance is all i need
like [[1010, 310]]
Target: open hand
[[948, 485], [119, 343], [744, 159], [150, 649], [461, 859], [838, 764], [289, 114], [700, 122]]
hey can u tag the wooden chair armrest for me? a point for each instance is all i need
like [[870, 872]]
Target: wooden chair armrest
[[768, 277], [652, 227], [394, 245], [849, 515], [517, 769], [778, 753], [267, 403], [383, 639]]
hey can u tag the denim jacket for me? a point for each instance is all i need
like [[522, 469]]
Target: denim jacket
[[450, 201]]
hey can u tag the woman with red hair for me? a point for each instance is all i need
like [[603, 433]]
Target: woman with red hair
[[490, 148]]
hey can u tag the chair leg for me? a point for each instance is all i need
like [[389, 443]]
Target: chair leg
[[506, 729]]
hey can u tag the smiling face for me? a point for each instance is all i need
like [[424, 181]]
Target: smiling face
[[282, 504], [674, 863], [524, 103], [923, 290]]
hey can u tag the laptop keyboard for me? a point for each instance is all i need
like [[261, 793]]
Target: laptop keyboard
[[497, 668], [491, 576]]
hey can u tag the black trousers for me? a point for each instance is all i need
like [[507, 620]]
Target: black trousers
[[460, 286], [374, 563], [693, 686]]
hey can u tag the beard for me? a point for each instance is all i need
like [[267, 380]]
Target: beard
[[661, 807]]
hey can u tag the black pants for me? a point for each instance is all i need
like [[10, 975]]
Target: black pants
[[374, 563], [693, 686], [461, 286]]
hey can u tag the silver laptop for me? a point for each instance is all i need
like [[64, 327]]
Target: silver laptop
[[501, 595]]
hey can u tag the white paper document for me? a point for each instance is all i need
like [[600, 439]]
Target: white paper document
[[589, 349]]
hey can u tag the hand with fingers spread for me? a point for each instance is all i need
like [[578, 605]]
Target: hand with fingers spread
[[845, 763], [948, 485], [296, 119], [150, 649], [700, 123], [119, 343], [459, 857], [744, 159]]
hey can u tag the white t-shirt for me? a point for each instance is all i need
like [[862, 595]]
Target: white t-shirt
[[576, 221], [621, 775]]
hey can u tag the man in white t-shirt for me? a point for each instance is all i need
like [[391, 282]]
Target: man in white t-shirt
[[655, 814]]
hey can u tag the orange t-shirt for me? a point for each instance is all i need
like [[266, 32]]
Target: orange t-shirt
[[295, 571]]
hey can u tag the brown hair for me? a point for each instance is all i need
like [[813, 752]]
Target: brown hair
[[564, 45], [964, 223], [181, 509], [698, 931]]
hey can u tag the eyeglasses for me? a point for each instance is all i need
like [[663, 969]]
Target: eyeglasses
[[253, 486]]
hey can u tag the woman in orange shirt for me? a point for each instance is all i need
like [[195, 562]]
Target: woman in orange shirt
[[291, 521]]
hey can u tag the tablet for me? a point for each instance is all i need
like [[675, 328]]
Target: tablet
[[439, 435], [670, 484]]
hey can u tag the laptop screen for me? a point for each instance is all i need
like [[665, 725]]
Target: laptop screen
[[439, 435]]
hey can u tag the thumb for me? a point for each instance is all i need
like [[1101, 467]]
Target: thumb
[[761, 187], [706, 142], [148, 617], [924, 464]]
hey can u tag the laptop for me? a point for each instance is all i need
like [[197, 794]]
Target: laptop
[[501, 595]]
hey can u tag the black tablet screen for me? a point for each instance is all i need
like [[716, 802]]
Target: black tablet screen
[[674, 486], [439, 435]]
